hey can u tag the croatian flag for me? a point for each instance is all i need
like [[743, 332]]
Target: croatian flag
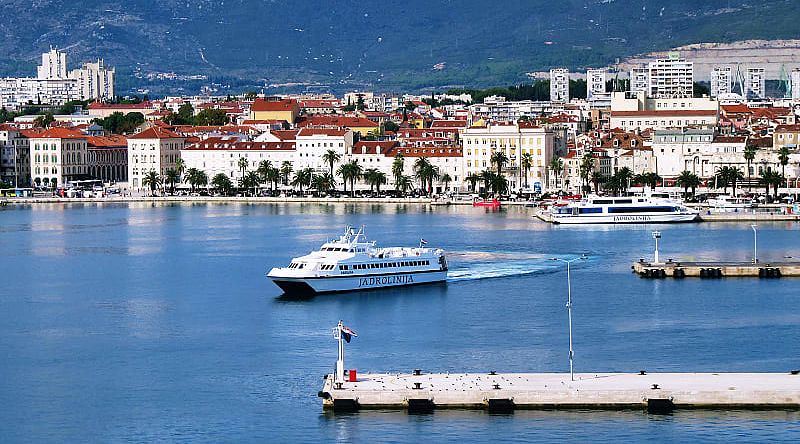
[[423, 242], [347, 334]]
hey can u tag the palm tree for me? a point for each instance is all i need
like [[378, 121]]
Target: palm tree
[[426, 173], [350, 172], [263, 170], [586, 168], [273, 176], [620, 180], [769, 177], [243, 165], [734, 176], [749, 156], [499, 184], [597, 178], [375, 179], [446, 179], [398, 165], [783, 157], [172, 177], [729, 176], [499, 159], [687, 179], [251, 180], [222, 183], [286, 171], [473, 179], [323, 182], [556, 166], [303, 178], [526, 162], [404, 183], [487, 177], [180, 167], [153, 180], [331, 157]]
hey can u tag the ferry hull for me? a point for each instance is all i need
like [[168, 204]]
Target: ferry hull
[[625, 219], [301, 286]]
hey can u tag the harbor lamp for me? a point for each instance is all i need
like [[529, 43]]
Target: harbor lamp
[[656, 236], [569, 309], [755, 243]]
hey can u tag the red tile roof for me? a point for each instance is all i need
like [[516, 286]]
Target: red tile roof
[[373, 147], [449, 124], [321, 132], [274, 105], [112, 141], [221, 144], [60, 133], [155, 132], [100, 105], [338, 121], [664, 113]]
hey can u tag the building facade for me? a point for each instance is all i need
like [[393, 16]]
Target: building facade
[[559, 85], [153, 149], [57, 156]]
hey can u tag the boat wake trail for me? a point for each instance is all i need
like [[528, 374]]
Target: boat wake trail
[[472, 265]]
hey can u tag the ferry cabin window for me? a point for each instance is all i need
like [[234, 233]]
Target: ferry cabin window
[[641, 210], [590, 210]]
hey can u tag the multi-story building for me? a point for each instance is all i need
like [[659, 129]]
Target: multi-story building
[[633, 111], [313, 143], [107, 158], [795, 79], [360, 125], [596, 80], [15, 167], [95, 81], [559, 85], [154, 149], [275, 109], [640, 80], [479, 143], [220, 155], [755, 83], [54, 65], [721, 81], [670, 79], [679, 150], [786, 136], [58, 155]]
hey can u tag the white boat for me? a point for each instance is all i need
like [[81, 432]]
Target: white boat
[[351, 262], [729, 203], [621, 210]]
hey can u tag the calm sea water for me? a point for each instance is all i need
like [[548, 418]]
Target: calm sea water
[[130, 323]]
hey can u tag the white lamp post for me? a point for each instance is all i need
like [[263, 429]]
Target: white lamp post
[[569, 311], [755, 243], [656, 236]]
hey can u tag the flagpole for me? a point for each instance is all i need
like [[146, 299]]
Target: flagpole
[[340, 360]]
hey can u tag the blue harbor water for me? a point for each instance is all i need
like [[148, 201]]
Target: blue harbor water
[[131, 323]]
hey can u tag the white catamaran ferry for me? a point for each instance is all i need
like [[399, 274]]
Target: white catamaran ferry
[[353, 263], [622, 210]]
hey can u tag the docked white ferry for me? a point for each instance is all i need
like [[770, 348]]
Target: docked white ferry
[[351, 262], [621, 210]]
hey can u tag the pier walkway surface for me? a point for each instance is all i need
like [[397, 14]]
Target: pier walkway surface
[[652, 391]]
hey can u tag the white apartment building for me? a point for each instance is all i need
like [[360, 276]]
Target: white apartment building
[[57, 156], [54, 65], [633, 111], [313, 143], [670, 79], [721, 81], [479, 143], [95, 81], [153, 149], [498, 109], [755, 83], [220, 155], [559, 85], [596, 80], [640, 80], [795, 78]]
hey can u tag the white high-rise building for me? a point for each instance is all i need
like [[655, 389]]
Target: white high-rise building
[[54, 65], [95, 80], [596, 84], [796, 84], [721, 81], [640, 80], [755, 83], [559, 85], [671, 78]]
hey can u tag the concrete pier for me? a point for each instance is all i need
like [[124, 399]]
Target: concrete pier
[[716, 269], [655, 392]]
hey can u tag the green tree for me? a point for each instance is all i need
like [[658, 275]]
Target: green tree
[[350, 172], [374, 178], [398, 165], [211, 117], [404, 183], [153, 180], [172, 177], [499, 160], [286, 171], [196, 178], [323, 182], [44, 120], [119, 123], [749, 155], [686, 179], [242, 163], [526, 162], [389, 125], [251, 180], [222, 183], [783, 158], [446, 179], [331, 157], [302, 178], [180, 167], [473, 179], [556, 166], [597, 178], [586, 168], [426, 173], [771, 178]]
